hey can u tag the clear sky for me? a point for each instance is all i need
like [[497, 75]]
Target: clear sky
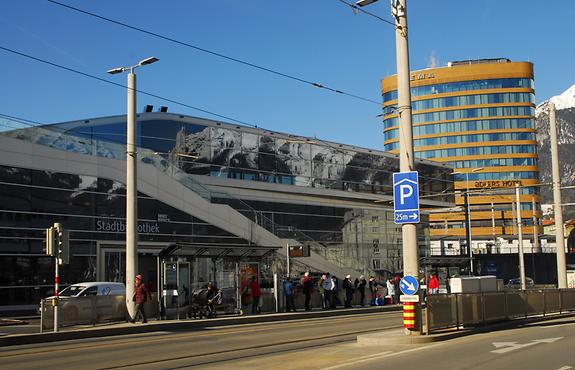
[[316, 40]]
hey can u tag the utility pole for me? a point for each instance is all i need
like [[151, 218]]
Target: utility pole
[[406, 157], [406, 154], [493, 226], [535, 245], [558, 212], [468, 232], [520, 238]]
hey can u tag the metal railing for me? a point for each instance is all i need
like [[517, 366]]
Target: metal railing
[[82, 310], [444, 311]]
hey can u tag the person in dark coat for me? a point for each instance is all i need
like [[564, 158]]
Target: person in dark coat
[[348, 288], [335, 292], [307, 285], [140, 297], [360, 287], [373, 290], [256, 294]]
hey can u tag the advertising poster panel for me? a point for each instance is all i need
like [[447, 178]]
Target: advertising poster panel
[[247, 270]]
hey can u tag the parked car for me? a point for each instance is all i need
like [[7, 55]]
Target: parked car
[[516, 283], [90, 302]]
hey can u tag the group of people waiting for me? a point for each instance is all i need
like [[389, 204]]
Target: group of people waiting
[[329, 287]]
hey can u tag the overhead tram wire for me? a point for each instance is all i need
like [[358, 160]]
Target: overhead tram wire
[[123, 86], [220, 55], [356, 8]]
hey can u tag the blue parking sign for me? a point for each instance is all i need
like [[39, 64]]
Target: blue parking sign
[[406, 197]]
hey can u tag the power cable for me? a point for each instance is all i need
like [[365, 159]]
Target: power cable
[[122, 86], [220, 55], [357, 8]]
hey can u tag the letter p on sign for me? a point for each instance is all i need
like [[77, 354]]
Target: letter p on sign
[[405, 191]]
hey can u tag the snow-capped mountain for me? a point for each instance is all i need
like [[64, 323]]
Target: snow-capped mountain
[[564, 101], [565, 108]]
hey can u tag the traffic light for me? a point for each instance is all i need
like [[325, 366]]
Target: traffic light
[[58, 243]]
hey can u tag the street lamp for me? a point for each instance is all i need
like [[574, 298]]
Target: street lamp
[[131, 183], [468, 240]]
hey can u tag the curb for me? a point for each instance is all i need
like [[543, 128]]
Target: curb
[[11, 322], [125, 328]]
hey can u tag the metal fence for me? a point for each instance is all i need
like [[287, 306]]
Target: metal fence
[[461, 310], [83, 310]]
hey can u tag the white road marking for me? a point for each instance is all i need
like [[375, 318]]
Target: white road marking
[[378, 356], [512, 346], [565, 368]]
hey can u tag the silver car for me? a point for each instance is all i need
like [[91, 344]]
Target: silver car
[[88, 302]]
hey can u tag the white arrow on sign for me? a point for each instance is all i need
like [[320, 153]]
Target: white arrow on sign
[[413, 216], [505, 347], [408, 285]]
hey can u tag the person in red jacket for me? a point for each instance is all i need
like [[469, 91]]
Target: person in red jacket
[[256, 293], [140, 297], [433, 286]]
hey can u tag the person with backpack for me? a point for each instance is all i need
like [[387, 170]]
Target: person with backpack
[[289, 295]]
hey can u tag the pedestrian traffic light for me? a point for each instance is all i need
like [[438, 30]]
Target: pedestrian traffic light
[[51, 241]]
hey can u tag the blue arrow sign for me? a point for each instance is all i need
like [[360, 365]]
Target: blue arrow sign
[[406, 197], [408, 285]]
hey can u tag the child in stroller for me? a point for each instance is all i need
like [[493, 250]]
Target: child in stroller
[[203, 302]]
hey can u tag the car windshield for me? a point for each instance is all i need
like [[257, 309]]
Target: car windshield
[[72, 290]]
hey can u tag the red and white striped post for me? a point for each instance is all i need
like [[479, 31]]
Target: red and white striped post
[[57, 226], [409, 315]]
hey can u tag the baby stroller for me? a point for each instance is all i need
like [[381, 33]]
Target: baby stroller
[[203, 303]]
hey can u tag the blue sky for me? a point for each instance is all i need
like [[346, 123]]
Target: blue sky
[[316, 40]]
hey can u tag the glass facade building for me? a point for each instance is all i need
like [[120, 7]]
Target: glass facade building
[[478, 117], [207, 186]]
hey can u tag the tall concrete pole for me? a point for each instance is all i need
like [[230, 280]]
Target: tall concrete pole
[[468, 238], [535, 247], [406, 158], [131, 196], [493, 224], [520, 238], [559, 236]]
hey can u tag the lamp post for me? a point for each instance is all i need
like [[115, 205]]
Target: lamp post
[[468, 238], [131, 183]]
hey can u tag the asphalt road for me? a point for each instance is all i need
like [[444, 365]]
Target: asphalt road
[[212, 347], [545, 345]]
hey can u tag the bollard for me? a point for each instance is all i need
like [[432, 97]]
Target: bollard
[[409, 315]]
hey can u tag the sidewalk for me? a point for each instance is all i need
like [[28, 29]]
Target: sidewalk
[[122, 328]]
